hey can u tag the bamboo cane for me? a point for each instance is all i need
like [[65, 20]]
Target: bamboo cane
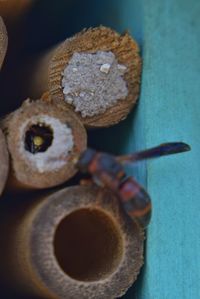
[[96, 73], [43, 141], [75, 243]]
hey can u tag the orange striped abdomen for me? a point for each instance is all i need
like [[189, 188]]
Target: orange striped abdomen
[[135, 201]]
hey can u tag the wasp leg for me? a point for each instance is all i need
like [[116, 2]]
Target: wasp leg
[[135, 201]]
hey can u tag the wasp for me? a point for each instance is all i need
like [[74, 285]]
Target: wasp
[[108, 171]]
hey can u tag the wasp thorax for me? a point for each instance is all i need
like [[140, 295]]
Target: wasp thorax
[[109, 164], [86, 159]]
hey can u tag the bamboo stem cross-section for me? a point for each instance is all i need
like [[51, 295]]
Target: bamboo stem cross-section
[[43, 140], [75, 243], [96, 73]]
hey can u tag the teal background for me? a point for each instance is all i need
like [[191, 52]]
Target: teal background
[[168, 33], [169, 110]]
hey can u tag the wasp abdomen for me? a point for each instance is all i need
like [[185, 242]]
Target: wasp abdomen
[[136, 201]]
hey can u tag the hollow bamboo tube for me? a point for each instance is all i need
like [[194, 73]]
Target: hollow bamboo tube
[[4, 162], [3, 41], [75, 243], [12, 8], [43, 141], [100, 70]]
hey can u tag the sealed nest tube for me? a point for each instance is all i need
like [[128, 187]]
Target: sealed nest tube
[[96, 73], [43, 141], [75, 243]]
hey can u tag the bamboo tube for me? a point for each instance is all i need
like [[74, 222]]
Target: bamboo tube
[[3, 41], [75, 243], [12, 8], [43, 141], [4, 162], [96, 73]]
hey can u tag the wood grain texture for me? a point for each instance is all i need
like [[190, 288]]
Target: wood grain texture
[[91, 41], [169, 106]]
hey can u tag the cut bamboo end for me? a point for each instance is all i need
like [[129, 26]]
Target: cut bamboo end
[[43, 141], [12, 8], [3, 41], [4, 162], [77, 243], [97, 74]]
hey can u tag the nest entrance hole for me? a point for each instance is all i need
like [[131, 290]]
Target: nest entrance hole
[[38, 138], [88, 245]]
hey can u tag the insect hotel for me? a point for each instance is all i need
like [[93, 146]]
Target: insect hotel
[[92, 94]]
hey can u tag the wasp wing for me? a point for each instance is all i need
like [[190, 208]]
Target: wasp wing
[[155, 152]]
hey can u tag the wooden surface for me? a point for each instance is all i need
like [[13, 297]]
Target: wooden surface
[[168, 111]]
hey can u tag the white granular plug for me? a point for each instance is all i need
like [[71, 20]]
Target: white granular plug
[[94, 82]]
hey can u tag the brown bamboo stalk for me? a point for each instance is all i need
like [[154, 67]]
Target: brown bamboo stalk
[[12, 8], [3, 41], [43, 140], [102, 92], [4, 162], [75, 243]]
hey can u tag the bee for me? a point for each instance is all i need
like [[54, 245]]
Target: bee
[[38, 138], [108, 171]]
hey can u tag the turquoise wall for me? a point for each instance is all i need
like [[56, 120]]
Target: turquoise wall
[[169, 110]]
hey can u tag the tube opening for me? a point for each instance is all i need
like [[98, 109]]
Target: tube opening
[[88, 245], [38, 138]]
